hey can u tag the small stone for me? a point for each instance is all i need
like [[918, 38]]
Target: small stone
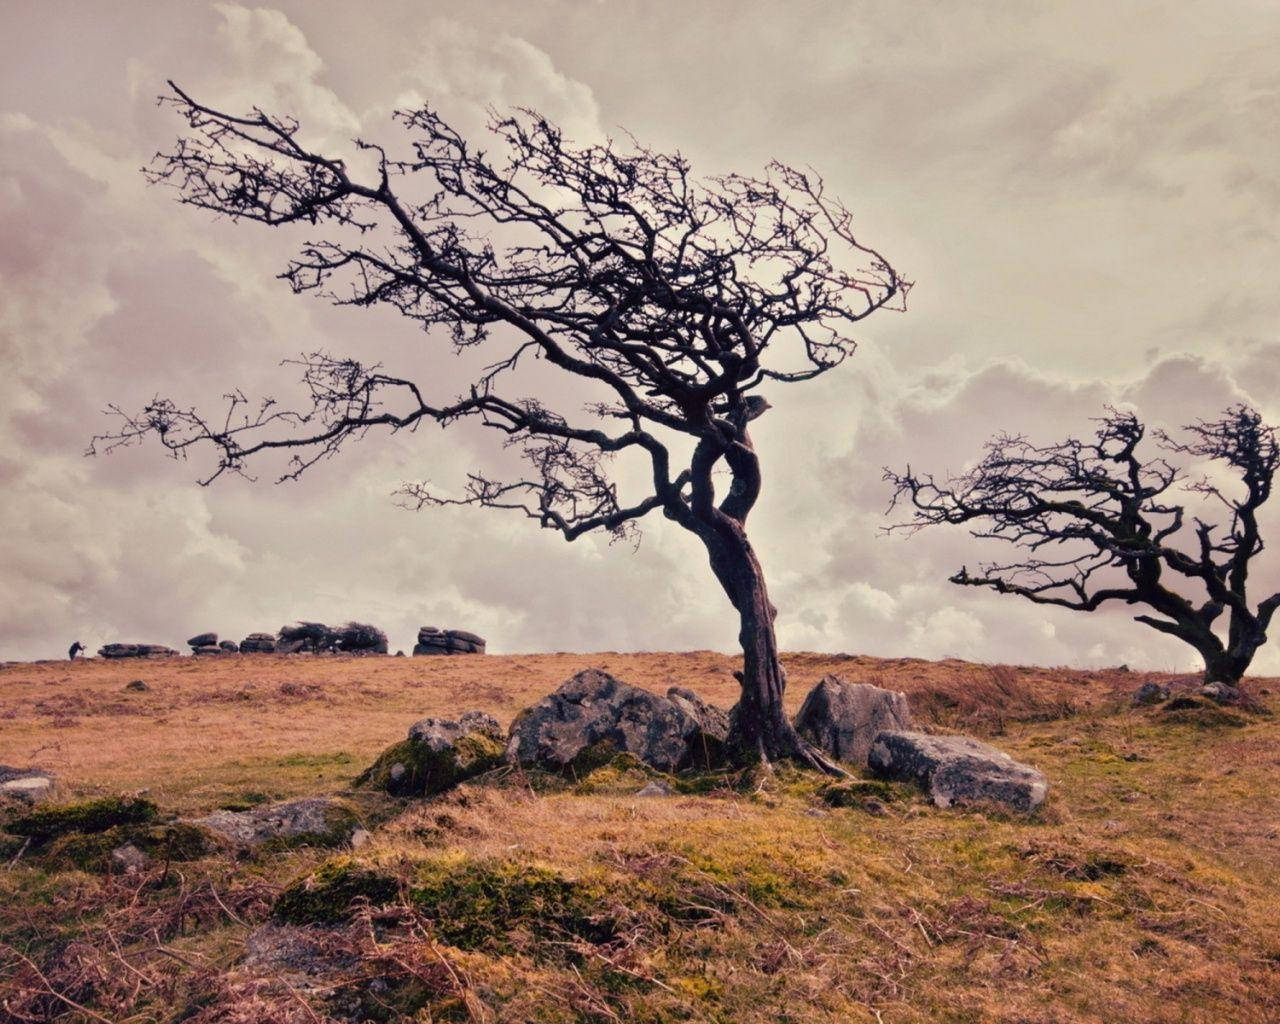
[[1220, 693], [128, 859], [360, 837], [136, 686], [27, 784], [1150, 693], [655, 788]]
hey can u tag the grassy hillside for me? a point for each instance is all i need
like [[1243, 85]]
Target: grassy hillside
[[1146, 890]]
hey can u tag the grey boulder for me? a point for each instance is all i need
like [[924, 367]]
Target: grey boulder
[[324, 821], [957, 770], [30, 785], [595, 708], [844, 718], [441, 733]]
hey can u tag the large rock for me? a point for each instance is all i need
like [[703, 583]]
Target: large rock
[[844, 718], [258, 643], [593, 709], [711, 748], [117, 650], [958, 770], [438, 754], [203, 640], [432, 640], [319, 820], [30, 785]]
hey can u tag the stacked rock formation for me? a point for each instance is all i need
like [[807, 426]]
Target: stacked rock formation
[[432, 640], [207, 643], [258, 643], [136, 651]]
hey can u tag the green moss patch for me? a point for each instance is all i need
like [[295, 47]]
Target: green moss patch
[[482, 903], [330, 893], [863, 794], [92, 851], [89, 816]]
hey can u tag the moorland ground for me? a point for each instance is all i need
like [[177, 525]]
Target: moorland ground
[[1145, 890]]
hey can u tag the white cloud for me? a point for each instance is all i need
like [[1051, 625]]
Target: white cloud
[[1091, 218]]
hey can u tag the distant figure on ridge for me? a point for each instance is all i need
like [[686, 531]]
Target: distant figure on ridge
[[74, 649]]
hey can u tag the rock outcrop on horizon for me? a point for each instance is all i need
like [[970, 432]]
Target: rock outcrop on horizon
[[432, 640], [258, 643], [207, 643], [118, 650]]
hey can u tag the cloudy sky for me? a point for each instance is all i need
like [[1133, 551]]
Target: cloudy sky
[[1086, 193]]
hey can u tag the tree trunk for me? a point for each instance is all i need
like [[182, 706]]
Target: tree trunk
[[1226, 666], [763, 732]]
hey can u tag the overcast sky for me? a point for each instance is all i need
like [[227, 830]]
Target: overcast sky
[[1086, 194]]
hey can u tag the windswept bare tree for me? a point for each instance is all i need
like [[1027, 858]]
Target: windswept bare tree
[[670, 299], [1100, 522]]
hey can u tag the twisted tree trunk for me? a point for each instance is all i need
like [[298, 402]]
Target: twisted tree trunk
[[762, 732]]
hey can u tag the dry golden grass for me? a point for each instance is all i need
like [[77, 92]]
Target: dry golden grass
[[288, 723], [1146, 891]]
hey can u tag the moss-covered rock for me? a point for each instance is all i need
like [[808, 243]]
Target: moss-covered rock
[[437, 755], [177, 841], [86, 817], [481, 903], [329, 894]]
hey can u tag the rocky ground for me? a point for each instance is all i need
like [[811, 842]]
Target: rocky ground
[[206, 853]]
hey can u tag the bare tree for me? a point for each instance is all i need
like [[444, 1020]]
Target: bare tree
[[671, 299], [1100, 522]]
